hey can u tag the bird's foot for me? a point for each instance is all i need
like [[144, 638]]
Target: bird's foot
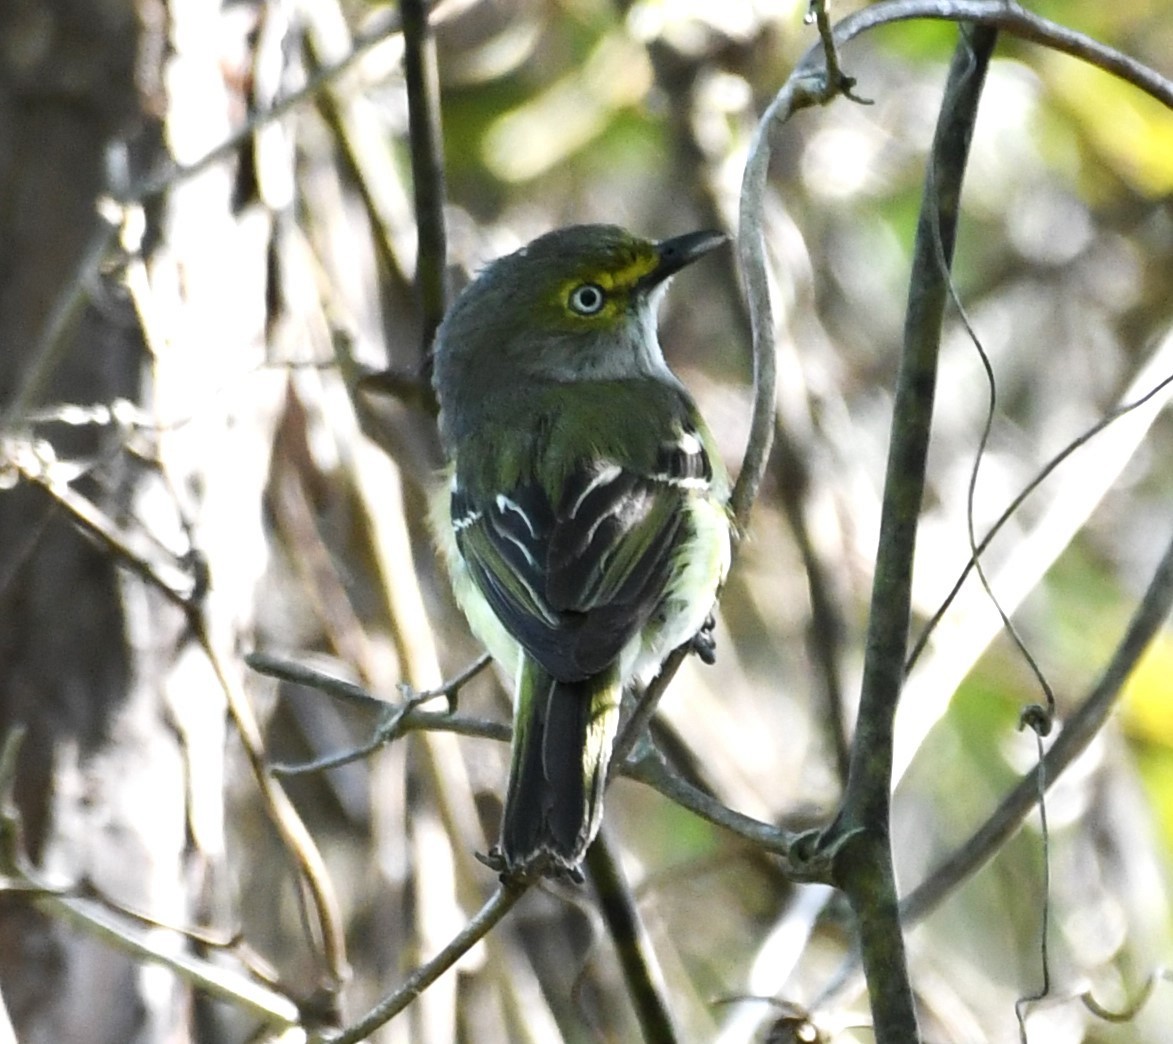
[[704, 642]]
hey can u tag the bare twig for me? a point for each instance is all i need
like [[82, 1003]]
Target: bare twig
[[1008, 17], [799, 92], [499, 904], [296, 837], [303, 674], [96, 918], [647, 765], [174, 173], [825, 631], [53, 342], [1012, 508], [1132, 1008], [644, 764], [395, 719], [427, 166], [1077, 733], [450, 690], [182, 588], [859, 840], [390, 727], [641, 970]]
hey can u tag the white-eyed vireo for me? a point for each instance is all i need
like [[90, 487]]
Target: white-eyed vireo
[[585, 525]]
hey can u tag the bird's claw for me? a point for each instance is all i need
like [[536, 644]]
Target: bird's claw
[[704, 642]]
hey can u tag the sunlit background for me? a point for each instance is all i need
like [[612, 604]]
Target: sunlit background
[[564, 111], [640, 114]]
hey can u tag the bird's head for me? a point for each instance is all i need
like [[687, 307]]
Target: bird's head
[[577, 303]]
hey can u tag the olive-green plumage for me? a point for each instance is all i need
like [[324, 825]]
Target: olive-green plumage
[[584, 524]]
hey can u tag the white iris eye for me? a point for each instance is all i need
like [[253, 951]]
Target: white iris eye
[[587, 299]]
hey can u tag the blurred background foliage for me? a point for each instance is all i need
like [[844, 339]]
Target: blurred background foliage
[[640, 113], [563, 111]]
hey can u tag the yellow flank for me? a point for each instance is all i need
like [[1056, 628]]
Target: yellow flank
[[482, 620]]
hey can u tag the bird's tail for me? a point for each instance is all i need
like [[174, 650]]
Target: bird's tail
[[562, 739]]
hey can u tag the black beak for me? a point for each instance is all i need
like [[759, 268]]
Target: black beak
[[676, 253]]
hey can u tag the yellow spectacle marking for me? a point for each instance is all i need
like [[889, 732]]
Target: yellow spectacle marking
[[629, 274], [621, 278]]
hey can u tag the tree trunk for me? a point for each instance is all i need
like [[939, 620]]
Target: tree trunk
[[120, 781]]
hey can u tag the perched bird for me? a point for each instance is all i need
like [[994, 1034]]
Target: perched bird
[[585, 524]]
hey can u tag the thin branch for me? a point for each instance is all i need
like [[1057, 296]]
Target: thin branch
[[799, 92], [395, 719], [1005, 16], [1133, 1006], [53, 343], [359, 158], [427, 166], [1079, 730], [450, 690], [173, 174], [1011, 508], [389, 728], [95, 918], [645, 764], [826, 628], [499, 904], [281, 811], [175, 579], [641, 970], [635, 727], [303, 674], [648, 767], [181, 588], [859, 840]]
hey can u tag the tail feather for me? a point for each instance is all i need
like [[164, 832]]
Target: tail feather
[[563, 733]]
